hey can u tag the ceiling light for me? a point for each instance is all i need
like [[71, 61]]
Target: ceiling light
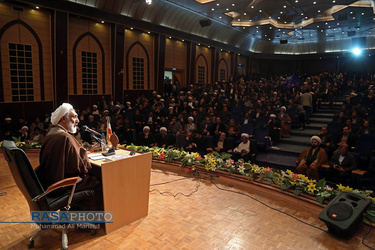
[[102, 22], [232, 4], [296, 1], [212, 9], [278, 17], [284, 6], [301, 14], [245, 14], [217, 4], [219, 16], [363, 13], [37, 7], [252, 7], [318, 11], [149, 2], [238, 19], [227, 9], [333, 1], [281, 12], [314, 2], [260, 10]]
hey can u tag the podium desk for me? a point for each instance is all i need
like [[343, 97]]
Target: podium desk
[[126, 184]]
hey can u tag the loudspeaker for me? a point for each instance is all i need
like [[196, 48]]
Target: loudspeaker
[[205, 22], [283, 41], [344, 214]]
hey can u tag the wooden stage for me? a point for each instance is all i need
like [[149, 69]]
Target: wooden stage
[[207, 219]]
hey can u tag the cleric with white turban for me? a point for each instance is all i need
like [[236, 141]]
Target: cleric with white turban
[[60, 112]]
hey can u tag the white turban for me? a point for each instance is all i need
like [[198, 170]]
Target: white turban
[[163, 128], [190, 117], [245, 135], [146, 127], [25, 127], [60, 112], [283, 107], [317, 138], [272, 115]]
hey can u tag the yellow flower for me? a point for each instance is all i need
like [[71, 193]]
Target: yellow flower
[[347, 188], [289, 172], [340, 187], [207, 167], [311, 187], [293, 182]]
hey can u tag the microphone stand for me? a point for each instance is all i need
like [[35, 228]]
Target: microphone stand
[[111, 151]]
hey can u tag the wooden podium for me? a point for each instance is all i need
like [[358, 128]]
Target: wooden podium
[[126, 184]]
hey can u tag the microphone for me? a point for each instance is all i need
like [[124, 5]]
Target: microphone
[[85, 128]]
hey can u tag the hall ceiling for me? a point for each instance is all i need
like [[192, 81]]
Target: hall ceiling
[[305, 26]]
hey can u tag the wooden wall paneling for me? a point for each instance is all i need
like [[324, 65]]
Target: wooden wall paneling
[[160, 48], [203, 59], [177, 57], [139, 44], [119, 36], [61, 55], [213, 65], [191, 60]]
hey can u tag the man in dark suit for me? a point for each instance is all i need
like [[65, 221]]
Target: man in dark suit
[[217, 128], [163, 140], [341, 164], [347, 137], [366, 129]]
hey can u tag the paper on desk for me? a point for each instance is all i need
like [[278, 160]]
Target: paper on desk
[[117, 157], [96, 157]]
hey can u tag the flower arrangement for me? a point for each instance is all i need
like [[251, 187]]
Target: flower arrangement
[[25, 144], [288, 180]]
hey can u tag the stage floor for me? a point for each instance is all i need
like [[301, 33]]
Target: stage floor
[[206, 219]]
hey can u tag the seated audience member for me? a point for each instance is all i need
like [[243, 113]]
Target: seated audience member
[[102, 125], [24, 133], [274, 126], [174, 126], [205, 126], [187, 141], [221, 144], [37, 123], [129, 129], [163, 140], [199, 143], [346, 137], [356, 119], [139, 120], [36, 135], [217, 128], [146, 138], [366, 129], [233, 130], [285, 122], [341, 164], [247, 119], [311, 159], [61, 156], [353, 128], [327, 141], [190, 126], [246, 150]]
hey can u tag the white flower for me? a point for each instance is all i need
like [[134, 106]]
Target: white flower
[[241, 169]]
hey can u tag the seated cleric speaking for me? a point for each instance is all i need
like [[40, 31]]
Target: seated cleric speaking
[[61, 156]]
